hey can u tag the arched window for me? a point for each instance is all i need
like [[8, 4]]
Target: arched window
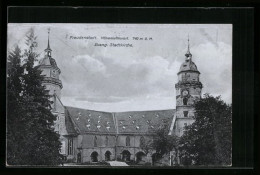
[[106, 141], [95, 141], [127, 141], [185, 100], [142, 141], [70, 146]]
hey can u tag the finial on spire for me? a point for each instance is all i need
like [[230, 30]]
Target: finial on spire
[[188, 43], [48, 38], [48, 49], [188, 54]]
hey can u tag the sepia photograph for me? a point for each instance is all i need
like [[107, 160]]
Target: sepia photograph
[[119, 95]]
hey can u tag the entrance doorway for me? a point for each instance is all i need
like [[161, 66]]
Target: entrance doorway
[[107, 155], [126, 156], [94, 157]]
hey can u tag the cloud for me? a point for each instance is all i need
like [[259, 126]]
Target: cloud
[[133, 78], [89, 64], [215, 64], [95, 79]]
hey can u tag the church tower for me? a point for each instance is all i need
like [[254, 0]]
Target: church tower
[[51, 72], [188, 90], [51, 81]]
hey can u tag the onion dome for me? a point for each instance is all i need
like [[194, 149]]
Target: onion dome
[[188, 65]]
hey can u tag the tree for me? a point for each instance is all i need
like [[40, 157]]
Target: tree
[[31, 139], [208, 140], [161, 143]]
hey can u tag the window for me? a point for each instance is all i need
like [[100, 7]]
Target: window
[[142, 141], [95, 141], [185, 113], [127, 141], [106, 143], [185, 100], [70, 146]]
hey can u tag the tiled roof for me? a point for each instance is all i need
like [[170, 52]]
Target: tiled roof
[[142, 121], [89, 121], [70, 127]]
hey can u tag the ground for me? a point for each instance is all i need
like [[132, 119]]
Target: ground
[[109, 163]]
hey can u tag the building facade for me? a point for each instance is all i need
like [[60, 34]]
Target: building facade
[[94, 136]]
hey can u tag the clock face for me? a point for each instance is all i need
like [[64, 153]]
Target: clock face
[[185, 93]]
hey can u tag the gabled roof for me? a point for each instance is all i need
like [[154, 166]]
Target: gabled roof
[[136, 122], [89, 121]]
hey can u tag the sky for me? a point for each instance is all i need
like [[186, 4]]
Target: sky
[[141, 77]]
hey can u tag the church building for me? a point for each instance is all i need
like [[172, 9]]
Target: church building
[[94, 136]]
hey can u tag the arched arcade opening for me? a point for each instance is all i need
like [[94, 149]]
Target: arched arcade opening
[[94, 156], [126, 155]]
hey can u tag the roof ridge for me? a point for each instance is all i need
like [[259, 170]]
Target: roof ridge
[[120, 112], [87, 109], [147, 110]]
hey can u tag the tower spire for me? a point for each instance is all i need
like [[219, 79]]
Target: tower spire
[[188, 54], [48, 49], [48, 38], [188, 44]]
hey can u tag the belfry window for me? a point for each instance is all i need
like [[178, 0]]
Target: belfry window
[[70, 146], [127, 141], [95, 141], [185, 113], [185, 100], [106, 141]]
